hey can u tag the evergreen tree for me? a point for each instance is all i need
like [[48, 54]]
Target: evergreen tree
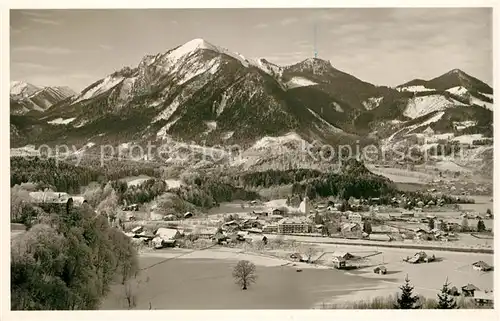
[[431, 224], [407, 300], [465, 225], [367, 227], [480, 226], [446, 301]]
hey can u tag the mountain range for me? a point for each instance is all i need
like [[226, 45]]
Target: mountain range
[[199, 92], [25, 97]]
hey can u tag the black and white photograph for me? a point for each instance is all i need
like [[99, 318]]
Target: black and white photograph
[[251, 158]]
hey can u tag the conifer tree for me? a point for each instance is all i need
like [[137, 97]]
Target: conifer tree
[[407, 300], [480, 226], [446, 301]]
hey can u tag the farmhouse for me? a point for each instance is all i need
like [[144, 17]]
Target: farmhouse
[[355, 218], [351, 228], [169, 217], [380, 270], [420, 257], [277, 211], [165, 237], [484, 298], [338, 262], [343, 255], [469, 289], [481, 266]]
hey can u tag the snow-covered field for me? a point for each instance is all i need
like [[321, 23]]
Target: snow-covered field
[[372, 102], [61, 121], [418, 88], [107, 83], [448, 165], [461, 125], [268, 141], [299, 82], [173, 183], [468, 139], [329, 127], [420, 106], [481, 103], [408, 129], [426, 278], [198, 67], [458, 91], [28, 150]]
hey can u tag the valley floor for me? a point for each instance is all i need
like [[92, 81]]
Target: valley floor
[[201, 279]]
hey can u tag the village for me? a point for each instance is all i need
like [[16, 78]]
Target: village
[[358, 234], [304, 235]]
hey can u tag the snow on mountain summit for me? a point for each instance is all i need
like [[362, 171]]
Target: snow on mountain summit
[[21, 88], [190, 47], [194, 45], [25, 96]]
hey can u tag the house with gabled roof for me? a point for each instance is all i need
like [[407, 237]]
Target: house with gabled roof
[[469, 289], [481, 266]]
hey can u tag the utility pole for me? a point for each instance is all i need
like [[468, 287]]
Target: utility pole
[[315, 47]]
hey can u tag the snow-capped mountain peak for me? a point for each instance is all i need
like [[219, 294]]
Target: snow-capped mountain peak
[[28, 97], [21, 88], [190, 47], [194, 45], [456, 71]]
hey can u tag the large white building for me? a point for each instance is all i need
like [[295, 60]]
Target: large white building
[[295, 225]]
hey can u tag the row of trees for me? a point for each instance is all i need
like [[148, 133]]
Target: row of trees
[[408, 300], [346, 186], [276, 177], [464, 226], [61, 176], [67, 177], [208, 191], [68, 260]]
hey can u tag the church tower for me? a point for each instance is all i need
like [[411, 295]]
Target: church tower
[[304, 206]]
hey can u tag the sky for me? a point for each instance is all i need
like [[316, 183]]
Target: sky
[[382, 46]]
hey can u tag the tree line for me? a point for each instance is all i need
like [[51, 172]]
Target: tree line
[[66, 177], [207, 191], [62, 177], [276, 177]]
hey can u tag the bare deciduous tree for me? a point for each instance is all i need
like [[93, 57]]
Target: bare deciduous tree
[[131, 287], [310, 253], [244, 273]]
